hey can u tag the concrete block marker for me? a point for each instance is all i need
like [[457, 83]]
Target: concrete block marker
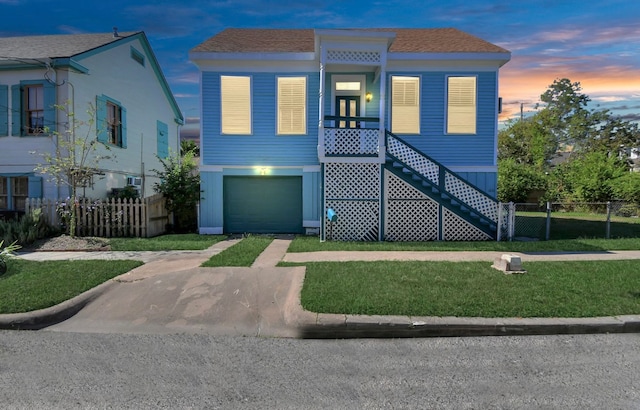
[[509, 264]]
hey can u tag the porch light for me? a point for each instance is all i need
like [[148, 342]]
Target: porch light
[[368, 96]]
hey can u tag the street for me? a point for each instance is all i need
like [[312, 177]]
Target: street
[[53, 370]]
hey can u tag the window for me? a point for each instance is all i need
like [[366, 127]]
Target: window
[[4, 202], [235, 101], [14, 192], [292, 105], [34, 109], [111, 122], [461, 105], [405, 105], [114, 124]]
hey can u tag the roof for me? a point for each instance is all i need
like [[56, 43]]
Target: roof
[[408, 40], [54, 46]]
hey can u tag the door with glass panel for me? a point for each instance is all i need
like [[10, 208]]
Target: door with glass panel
[[347, 106]]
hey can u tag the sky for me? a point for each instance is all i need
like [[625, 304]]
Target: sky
[[595, 43]]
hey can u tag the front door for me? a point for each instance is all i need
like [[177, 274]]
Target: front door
[[347, 106]]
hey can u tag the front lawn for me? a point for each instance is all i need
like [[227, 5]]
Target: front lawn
[[313, 244], [30, 285], [243, 253], [473, 289]]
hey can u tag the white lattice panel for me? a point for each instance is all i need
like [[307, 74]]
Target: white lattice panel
[[357, 221], [351, 181], [409, 214], [457, 229], [414, 159], [347, 56], [351, 141], [471, 196]]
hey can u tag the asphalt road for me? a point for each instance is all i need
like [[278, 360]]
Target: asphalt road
[[57, 370]]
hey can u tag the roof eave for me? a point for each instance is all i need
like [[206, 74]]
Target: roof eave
[[251, 56], [70, 63], [500, 57]]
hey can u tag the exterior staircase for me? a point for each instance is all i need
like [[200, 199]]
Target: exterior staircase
[[442, 185]]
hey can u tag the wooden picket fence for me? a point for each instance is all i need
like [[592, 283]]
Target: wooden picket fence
[[107, 218]]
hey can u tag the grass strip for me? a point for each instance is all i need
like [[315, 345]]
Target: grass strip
[[473, 289], [172, 242], [313, 244], [31, 285], [243, 253]]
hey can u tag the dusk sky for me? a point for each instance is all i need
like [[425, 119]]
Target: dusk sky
[[596, 43]]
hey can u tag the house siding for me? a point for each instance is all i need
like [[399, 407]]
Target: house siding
[[263, 147], [449, 149]]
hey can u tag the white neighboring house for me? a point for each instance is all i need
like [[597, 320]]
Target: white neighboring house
[[136, 115]]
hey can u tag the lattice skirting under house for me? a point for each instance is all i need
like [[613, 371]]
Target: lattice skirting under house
[[373, 205]]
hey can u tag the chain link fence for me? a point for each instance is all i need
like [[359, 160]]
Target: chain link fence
[[554, 220]]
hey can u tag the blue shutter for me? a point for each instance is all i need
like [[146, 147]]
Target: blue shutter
[[163, 140], [4, 113], [49, 93], [35, 187], [16, 110], [101, 118], [123, 126]]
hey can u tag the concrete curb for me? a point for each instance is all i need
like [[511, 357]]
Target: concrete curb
[[39, 319], [328, 326]]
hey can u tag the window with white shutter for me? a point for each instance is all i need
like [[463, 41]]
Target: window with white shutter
[[405, 105], [235, 100], [461, 105], [292, 105]]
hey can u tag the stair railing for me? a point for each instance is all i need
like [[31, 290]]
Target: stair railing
[[441, 177]]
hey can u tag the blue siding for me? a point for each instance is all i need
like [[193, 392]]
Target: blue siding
[[263, 147], [486, 181], [454, 150]]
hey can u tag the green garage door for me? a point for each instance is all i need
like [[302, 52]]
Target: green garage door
[[262, 204]]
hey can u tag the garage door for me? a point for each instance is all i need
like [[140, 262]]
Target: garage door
[[262, 204]]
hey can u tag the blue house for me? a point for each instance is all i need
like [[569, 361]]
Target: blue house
[[393, 130]]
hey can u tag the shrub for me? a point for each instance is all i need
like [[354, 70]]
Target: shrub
[[26, 230]]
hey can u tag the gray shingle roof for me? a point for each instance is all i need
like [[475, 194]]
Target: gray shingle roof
[[408, 40], [54, 46]]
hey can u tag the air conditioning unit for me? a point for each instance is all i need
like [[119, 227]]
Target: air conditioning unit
[[134, 181]]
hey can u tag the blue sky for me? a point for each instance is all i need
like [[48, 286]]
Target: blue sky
[[596, 43]]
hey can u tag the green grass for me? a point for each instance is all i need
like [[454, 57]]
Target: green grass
[[313, 244], [244, 253], [473, 289], [573, 225], [30, 285], [191, 241]]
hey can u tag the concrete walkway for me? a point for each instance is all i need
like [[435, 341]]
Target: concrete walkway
[[171, 293]]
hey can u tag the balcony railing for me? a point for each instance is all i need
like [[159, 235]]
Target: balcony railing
[[357, 141]]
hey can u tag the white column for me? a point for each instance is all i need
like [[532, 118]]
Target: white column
[[383, 86], [321, 108]]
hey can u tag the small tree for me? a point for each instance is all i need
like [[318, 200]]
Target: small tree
[[75, 159], [180, 185]]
